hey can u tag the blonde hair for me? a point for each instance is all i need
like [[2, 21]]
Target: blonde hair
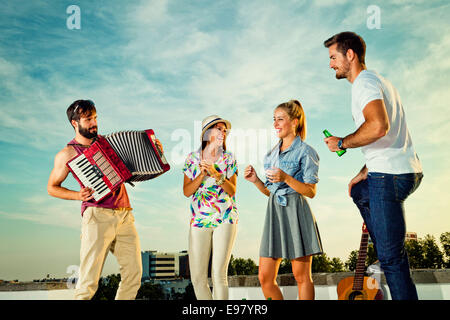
[[295, 111]]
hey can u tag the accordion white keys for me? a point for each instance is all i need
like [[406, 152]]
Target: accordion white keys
[[124, 156]]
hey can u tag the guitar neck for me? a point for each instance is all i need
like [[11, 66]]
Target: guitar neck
[[361, 263]]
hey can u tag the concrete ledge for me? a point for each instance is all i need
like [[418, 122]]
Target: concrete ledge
[[33, 286], [421, 276]]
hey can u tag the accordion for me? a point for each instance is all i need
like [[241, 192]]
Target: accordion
[[125, 156]]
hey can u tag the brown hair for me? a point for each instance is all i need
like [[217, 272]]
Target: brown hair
[[205, 141], [348, 40], [295, 111], [80, 108]]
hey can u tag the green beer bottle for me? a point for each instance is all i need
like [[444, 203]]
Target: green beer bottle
[[327, 134]]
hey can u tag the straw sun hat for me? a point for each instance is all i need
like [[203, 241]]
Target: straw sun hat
[[210, 121]]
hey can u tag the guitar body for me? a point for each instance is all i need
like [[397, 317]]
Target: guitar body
[[360, 287], [370, 291]]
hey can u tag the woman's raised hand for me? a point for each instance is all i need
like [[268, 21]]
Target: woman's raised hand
[[250, 174]]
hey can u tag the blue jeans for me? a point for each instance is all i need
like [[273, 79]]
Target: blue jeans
[[380, 199]]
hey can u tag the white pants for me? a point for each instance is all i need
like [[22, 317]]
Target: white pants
[[104, 230], [203, 241]]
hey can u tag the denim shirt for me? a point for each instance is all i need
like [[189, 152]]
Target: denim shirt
[[300, 161]]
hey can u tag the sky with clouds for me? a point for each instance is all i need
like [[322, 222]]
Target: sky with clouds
[[168, 64]]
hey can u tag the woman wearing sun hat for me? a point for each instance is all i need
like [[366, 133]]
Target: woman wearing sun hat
[[210, 175]]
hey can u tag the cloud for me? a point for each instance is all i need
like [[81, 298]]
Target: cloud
[[63, 214], [329, 3], [150, 13], [171, 64], [424, 92]]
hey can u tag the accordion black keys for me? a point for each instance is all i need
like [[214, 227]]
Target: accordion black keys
[[125, 156]]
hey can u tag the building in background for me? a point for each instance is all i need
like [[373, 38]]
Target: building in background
[[164, 266], [411, 236]]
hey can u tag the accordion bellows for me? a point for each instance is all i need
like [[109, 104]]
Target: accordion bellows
[[124, 156]]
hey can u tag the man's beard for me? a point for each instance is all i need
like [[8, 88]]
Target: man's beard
[[340, 76], [344, 73], [85, 132]]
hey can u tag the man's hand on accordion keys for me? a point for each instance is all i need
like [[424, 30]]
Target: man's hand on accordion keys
[[86, 194]]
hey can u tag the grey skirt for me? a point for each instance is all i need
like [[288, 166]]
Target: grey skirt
[[290, 231]]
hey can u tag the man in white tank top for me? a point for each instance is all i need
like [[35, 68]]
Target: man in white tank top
[[392, 170]]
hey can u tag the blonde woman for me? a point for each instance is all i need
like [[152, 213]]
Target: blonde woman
[[210, 176], [290, 229]]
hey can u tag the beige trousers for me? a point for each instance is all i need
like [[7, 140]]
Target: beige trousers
[[203, 241], [104, 230]]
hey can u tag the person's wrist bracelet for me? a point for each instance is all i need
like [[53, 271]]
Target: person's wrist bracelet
[[341, 143], [221, 180]]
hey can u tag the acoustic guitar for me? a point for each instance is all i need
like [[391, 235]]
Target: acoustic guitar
[[360, 287]]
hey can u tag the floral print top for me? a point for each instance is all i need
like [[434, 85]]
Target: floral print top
[[210, 204]]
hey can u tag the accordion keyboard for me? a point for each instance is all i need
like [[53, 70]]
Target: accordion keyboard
[[90, 176], [126, 156]]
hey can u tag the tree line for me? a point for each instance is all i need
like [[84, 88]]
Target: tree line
[[423, 254]]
